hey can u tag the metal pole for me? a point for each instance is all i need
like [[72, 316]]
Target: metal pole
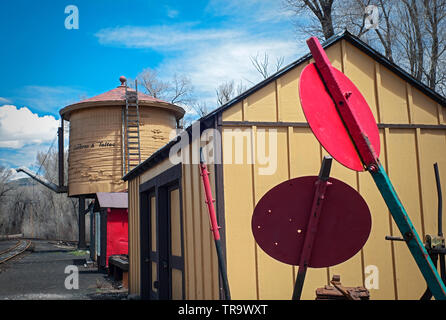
[[214, 226], [409, 233], [92, 238], [440, 200], [81, 244], [441, 256], [60, 134], [310, 235]]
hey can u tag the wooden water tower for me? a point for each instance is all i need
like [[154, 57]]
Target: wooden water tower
[[110, 134]]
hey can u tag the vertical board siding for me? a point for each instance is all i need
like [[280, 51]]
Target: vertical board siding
[[201, 261], [235, 113], [188, 248], [377, 252], [288, 95], [201, 267], [361, 71], [275, 278], [134, 237], [99, 169], [432, 149], [407, 155], [261, 105], [424, 108], [402, 170], [306, 164], [393, 91], [198, 231], [351, 270], [189, 235], [240, 244], [443, 114], [213, 265]]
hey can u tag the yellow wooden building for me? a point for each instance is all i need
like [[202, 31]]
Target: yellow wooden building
[[171, 249]]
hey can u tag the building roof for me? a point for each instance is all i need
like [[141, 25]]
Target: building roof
[[163, 152], [117, 97], [111, 200], [118, 94]]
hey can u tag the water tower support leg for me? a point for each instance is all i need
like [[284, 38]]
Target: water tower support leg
[[81, 243], [60, 132], [92, 238]]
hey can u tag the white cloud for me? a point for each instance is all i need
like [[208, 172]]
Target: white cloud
[[20, 127], [210, 65], [172, 13], [4, 100], [208, 57], [165, 37], [256, 10], [23, 157], [220, 52]]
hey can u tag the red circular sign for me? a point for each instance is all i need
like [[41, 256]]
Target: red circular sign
[[325, 122], [280, 220]]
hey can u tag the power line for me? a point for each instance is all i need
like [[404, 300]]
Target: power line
[[44, 159]]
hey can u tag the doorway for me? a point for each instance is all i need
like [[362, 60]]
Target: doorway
[[162, 246]]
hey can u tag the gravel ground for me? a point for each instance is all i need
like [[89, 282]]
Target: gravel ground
[[40, 275]]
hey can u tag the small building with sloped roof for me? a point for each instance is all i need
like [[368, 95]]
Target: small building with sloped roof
[[171, 250]]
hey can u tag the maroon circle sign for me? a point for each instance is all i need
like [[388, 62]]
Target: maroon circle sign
[[280, 220], [325, 122]]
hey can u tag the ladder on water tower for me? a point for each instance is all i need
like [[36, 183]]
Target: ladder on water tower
[[132, 145]]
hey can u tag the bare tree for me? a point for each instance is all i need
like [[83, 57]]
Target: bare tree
[[321, 10], [200, 107], [436, 29], [228, 90], [385, 31], [149, 79], [35, 210], [383, 35], [441, 76], [5, 185], [262, 64], [177, 91], [225, 92], [412, 32], [330, 16], [180, 90], [13, 211], [422, 41], [352, 17]]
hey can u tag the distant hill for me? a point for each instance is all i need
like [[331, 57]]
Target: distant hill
[[22, 182]]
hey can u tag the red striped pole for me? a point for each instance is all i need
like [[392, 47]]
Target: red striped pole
[[214, 225]]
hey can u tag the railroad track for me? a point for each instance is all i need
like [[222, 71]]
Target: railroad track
[[14, 251]]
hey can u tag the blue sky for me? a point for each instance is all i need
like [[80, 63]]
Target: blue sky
[[46, 66]]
